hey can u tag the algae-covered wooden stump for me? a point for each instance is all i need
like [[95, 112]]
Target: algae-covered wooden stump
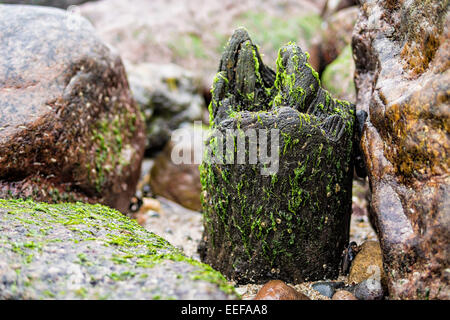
[[286, 215], [81, 251]]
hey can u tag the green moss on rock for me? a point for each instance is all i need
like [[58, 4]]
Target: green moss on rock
[[86, 251]]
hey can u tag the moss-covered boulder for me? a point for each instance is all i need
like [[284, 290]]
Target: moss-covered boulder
[[81, 251], [291, 223], [403, 82], [69, 127]]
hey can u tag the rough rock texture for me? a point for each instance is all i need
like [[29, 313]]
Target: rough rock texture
[[52, 3], [80, 251], [278, 290], [176, 178], [402, 79], [69, 128], [292, 224], [368, 263], [169, 96]]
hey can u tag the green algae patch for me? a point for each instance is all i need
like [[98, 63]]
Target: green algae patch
[[86, 251]]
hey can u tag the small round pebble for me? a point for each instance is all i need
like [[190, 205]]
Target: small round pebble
[[278, 290], [343, 295], [369, 289]]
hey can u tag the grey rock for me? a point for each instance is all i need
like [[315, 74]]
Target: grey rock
[[81, 251], [63, 4], [327, 288], [168, 95]]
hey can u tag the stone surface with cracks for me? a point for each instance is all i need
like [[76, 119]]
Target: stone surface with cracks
[[402, 80]]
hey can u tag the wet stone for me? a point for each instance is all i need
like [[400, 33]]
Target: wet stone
[[402, 81], [278, 290], [81, 251], [327, 288], [370, 289], [69, 127]]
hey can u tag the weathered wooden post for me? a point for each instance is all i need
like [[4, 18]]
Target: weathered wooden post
[[287, 215]]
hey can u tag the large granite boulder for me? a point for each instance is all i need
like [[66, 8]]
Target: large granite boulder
[[69, 127], [402, 79], [284, 213], [81, 251]]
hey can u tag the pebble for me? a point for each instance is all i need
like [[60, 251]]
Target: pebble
[[343, 295], [369, 290], [368, 263], [278, 290], [327, 289]]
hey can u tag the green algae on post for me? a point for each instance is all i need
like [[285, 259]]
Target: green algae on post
[[294, 223]]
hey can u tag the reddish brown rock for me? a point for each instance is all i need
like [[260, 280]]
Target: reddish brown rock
[[343, 295], [69, 128], [278, 290], [174, 178], [402, 78]]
